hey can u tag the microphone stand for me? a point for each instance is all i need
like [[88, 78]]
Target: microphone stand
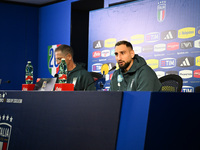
[[101, 84]]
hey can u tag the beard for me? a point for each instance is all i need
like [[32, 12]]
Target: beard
[[123, 68]]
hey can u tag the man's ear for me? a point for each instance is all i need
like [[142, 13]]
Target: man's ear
[[132, 53], [69, 56]]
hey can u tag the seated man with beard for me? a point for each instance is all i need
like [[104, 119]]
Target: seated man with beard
[[133, 74]]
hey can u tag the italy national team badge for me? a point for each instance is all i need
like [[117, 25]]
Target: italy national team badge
[[52, 65], [5, 131], [161, 11]]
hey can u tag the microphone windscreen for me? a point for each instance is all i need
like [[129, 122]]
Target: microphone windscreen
[[104, 69], [56, 75]]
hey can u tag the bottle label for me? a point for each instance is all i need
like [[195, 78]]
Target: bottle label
[[29, 78], [62, 77]]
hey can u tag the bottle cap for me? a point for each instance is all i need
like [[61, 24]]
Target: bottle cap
[[63, 59], [29, 61]]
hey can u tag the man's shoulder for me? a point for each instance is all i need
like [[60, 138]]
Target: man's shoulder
[[116, 72]]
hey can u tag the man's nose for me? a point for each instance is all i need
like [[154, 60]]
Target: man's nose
[[118, 57]]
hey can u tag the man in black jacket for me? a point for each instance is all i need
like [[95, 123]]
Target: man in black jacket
[[134, 74], [76, 74]]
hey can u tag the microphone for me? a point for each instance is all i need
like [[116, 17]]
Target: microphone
[[114, 67], [56, 76], [8, 81]]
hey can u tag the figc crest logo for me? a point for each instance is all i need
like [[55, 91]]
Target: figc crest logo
[[161, 11], [6, 128], [52, 65]]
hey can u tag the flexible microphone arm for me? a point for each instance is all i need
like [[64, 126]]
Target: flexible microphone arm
[[8, 81], [113, 68]]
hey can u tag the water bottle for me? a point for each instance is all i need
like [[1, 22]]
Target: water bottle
[[62, 76], [29, 73]]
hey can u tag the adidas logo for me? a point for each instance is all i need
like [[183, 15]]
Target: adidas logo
[[168, 35], [185, 63], [98, 44]]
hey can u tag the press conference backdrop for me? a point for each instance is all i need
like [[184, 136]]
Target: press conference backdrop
[[166, 33]]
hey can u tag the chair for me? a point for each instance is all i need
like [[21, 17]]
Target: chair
[[171, 83], [96, 75], [197, 89]]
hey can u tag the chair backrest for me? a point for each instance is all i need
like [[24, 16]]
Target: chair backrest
[[197, 89], [171, 83], [96, 75]]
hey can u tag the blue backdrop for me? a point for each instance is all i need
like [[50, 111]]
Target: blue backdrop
[[166, 33], [54, 28], [19, 43]]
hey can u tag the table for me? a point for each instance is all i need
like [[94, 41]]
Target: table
[[99, 120]]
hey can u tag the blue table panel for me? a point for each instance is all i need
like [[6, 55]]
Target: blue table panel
[[133, 121]]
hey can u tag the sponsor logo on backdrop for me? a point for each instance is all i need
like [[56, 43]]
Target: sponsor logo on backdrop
[[187, 44], [153, 63], [105, 53], [182, 53], [185, 61], [172, 46], [137, 39], [169, 35], [160, 74], [197, 43], [96, 54], [159, 55], [187, 89], [172, 72], [167, 63], [96, 67], [102, 60], [5, 130], [185, 33], [112, 52], [98, 44], [197, 60], [197, 73], [111, 76], [110, 65], [147, 48], [137, 49], [52, 65], [107, 77], [185, 74], [110, 42], [117, 66], [159, 47], [153, 37], [198, 31], [161, 11]]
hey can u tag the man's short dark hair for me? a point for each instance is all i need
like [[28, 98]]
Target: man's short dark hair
[[65, 49], [128, 44]]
